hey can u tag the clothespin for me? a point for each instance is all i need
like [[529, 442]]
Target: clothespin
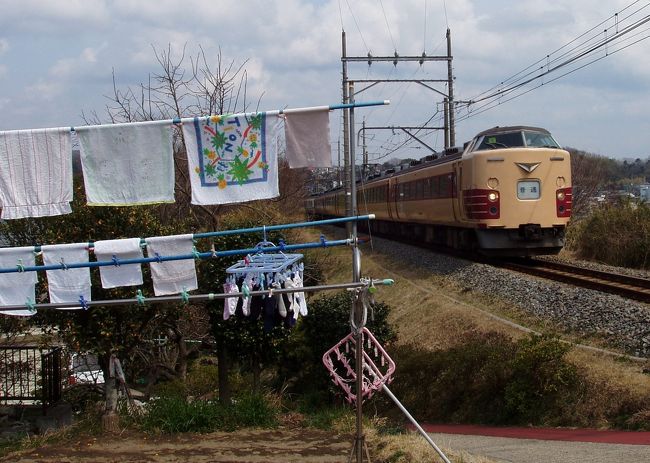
[[323, 241], [115, 260], [20, 265], [63, 266], [184, 296], [245, 289], [281, 244], [82, 302], [139, 297], [213, 250], [157, 256], [30, 305], [195, 253], [247, 259], [210, 296]]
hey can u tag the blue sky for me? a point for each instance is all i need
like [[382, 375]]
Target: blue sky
[[57, 59]]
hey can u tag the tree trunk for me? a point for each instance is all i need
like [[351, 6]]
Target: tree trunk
[[225, 396], [110, 419]]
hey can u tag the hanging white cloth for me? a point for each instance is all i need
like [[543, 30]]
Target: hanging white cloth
[[308, 138], [113, 276], [20, 287], [66, 285], [232, 159], [35, 173], [127, 164], [173, 276], [229, 303]]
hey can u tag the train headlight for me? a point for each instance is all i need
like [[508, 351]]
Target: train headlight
[[560, 195], [493, 196]]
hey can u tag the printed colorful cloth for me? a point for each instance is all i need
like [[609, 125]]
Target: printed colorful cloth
[[232, 159]]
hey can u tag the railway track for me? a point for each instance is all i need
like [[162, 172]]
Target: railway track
[[622, 285]]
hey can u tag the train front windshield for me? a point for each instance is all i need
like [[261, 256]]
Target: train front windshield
[[518, 139]]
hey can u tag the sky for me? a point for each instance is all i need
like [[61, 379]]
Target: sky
[[58, 59]]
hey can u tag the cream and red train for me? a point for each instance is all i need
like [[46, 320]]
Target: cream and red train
[[507, 194]]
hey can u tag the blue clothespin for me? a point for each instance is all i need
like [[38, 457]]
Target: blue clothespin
[[157, 256], [196, 253], [21, 266], [184, 296], [323, 241], [63, 266], [139, 297], [281, 244], [82, 302], [115, 260], [30, 305]]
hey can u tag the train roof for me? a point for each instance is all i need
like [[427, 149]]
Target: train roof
[[512, 128]]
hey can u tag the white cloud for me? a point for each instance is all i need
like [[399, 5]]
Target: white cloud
[[4, 45]]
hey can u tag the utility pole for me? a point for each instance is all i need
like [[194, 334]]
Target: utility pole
[[364, 168], [346, 132], [450, 76]]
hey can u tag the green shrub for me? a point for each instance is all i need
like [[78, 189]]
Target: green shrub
[[616, 234], [174, 414], [486, 379]]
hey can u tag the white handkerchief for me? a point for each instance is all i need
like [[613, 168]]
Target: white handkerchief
[[126, 164], [119, 274], [17, 288], [66, 285], [35, 173], [172, 276]]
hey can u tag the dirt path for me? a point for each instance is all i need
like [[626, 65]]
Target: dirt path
[[250, 446]]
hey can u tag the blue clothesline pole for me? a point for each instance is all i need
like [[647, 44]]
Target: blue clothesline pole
[[199, 255], [264, 228], [287, 226], [275, 112]]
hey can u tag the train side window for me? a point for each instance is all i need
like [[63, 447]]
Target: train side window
[[444, 186], [427, 188], [435, 187], [419, 189]]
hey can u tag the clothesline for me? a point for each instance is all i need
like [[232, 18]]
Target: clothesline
[[186, 298], [208, 254], [274, 112], [230, 159], [323, 243]]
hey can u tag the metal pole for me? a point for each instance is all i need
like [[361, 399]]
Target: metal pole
[[364, 168], [416, 424], [357, 307], [446, 114], [450, 77], [346, 130]]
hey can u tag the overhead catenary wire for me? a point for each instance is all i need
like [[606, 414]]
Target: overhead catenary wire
[[624, 36]]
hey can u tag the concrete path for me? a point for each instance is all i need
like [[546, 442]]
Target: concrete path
[[530, 445]]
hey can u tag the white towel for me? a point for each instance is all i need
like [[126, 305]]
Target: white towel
[[308, 138], [66, 285], [19, 287], [113, 276], [35, 173], [172, 276], [127, 164], [232, 159]]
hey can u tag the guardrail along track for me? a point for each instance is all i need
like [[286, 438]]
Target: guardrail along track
[[623, 285]]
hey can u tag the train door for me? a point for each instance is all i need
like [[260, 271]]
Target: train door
[[392, 199], [457, 190]]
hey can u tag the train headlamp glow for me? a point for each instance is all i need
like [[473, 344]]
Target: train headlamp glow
[[560, 195], [493, 196]]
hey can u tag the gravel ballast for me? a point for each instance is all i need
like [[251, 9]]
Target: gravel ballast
[[624, 322]]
